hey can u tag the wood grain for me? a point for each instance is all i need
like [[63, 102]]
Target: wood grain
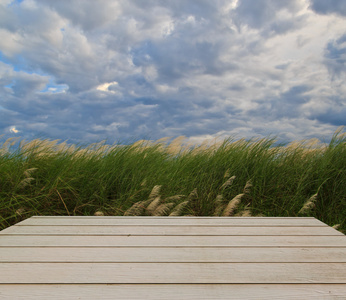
[[168, 230], [172, 291], [169, 221], [143, 273], [173, 254], [170, 241], [172, 258]]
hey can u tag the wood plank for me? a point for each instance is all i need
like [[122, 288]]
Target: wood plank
[[173, 291], [169, 230], [172, 241], [200, 254], [177, 221], [143, 273], [162, 261]]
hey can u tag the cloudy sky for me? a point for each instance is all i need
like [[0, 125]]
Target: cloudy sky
[[87, 70]]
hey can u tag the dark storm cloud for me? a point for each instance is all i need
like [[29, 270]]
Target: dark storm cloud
[[286, 105], [296, 95], [25, 84], [181, 8], [335, 56], [258, 13], [334, 116], [325, 7], [264, 15], [179, 58], [88, 15]]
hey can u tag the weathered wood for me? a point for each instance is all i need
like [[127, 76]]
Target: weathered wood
[[173, 221], [171, 241], [173, 254], [172, 258], [168, 230], [172, 291], [142, 273]]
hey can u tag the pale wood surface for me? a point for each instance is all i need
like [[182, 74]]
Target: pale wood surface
[[140, 273], [173, 254], [176, 221], [173, 291], [171, 241], [172, 258], [168, 230]]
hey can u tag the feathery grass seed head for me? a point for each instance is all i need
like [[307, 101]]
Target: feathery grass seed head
[[155, 192], [232, 206], [193, 195], [20, 211], [227, 174], [28, 172], [336, 226], [99, 213], [227, 183], [179, 209], [176, 145], [308, 205], [25, 182], [137, 209], [9, 142], [219, 199], [163, 209], [162, 140], [247, 187], [174, 198], [244, 213], [219, 205], [153, 206]]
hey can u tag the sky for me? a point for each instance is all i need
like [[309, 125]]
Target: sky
[[86, 71]]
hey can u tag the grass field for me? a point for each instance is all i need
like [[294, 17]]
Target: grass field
[[228, 178]]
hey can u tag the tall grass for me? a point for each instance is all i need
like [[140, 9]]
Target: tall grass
[[231, 178]]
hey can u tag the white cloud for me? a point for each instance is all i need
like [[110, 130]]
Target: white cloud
[[150, 73], [105, 86], [85, 70], [13, 129], [10, 43], [5, 2], [167, 28], [164, 88]]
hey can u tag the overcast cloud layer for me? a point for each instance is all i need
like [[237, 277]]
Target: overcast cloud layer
[[125, 70]]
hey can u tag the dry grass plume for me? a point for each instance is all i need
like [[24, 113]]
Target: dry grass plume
[[137, 209], [155, 192], [179, 209], [219, 205], [232, 206], [308, 205], [247, 188], [163, 209], [227, 183], [153, 206]]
